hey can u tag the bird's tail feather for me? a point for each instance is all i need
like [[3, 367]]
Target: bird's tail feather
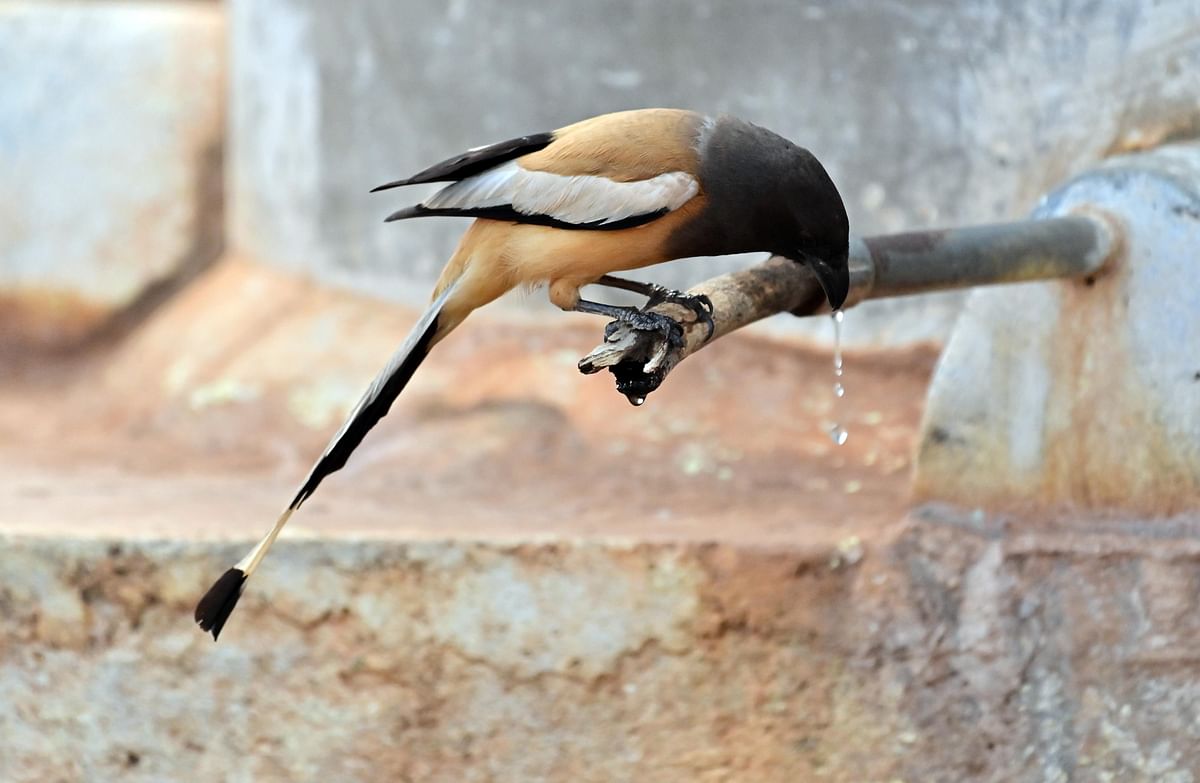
[[218, 603]]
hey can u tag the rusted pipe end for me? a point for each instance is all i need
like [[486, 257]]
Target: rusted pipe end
[[1110, 242]]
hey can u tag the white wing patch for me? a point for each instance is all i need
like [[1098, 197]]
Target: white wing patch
[[580, 199]]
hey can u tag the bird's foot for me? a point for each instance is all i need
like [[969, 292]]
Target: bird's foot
[[644, 321], [699, 304]]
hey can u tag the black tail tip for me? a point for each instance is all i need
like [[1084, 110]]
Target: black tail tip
[[218, 603]]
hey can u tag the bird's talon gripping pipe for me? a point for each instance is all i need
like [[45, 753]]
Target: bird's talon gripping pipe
[[699, 304], [639, 359], [667, 327]]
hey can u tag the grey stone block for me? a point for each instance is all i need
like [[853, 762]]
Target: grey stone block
[[1086, 393], [930, 113], [111, 125]]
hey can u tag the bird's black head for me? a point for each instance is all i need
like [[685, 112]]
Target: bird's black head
[[764, 193], [818, 229]]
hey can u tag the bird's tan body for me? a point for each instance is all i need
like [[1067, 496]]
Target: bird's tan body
[[496, 256]]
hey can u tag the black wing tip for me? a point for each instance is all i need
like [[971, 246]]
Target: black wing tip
[[218, 603], [407, 212], [389, 185], [475, 160]]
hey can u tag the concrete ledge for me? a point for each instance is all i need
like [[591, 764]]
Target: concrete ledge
[[951, 647], [439, 661]]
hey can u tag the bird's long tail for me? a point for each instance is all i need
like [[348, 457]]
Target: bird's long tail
[[217, 604]]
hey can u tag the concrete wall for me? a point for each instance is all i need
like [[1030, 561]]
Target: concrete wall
[[111, 131], [927, 113]]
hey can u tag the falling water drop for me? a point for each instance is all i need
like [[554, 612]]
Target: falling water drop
[[837, 342], [838, 433]]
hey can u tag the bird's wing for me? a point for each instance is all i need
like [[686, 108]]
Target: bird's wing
[[610, 172], [474, 161]]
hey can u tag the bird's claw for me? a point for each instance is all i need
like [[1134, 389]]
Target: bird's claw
[[644, 321], [699, 304]]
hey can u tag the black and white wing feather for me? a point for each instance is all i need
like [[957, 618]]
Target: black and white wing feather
[[510, 192], [491, 182]]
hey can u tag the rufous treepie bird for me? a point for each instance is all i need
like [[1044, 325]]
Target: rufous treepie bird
[[567, 208]]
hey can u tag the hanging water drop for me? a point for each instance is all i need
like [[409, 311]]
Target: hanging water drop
[[837, 343], [838, 433], [636, 400]]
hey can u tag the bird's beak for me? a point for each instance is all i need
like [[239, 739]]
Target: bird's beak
[[834, 280]]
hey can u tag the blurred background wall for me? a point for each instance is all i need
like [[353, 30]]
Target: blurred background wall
[[933, 112], [112, 127]]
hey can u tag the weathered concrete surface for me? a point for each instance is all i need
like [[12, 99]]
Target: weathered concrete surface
[[111, 125], [520, 577], [1085, 394], [242, 379], [509, 581], [955, 649], [929, 113]]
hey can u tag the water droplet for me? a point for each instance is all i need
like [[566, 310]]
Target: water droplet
[[838, 433], [837, 342], [636, 400]]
